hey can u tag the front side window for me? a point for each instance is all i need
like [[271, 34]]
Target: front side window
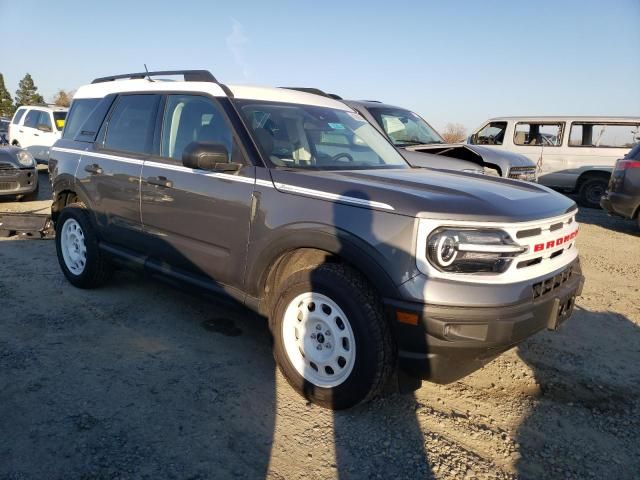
[[132, 123], [32, 118], [191, 118], [311, 137], [18, 116], [78, 114], [604, 135], [404, 127], [490, 134], [539, 134]]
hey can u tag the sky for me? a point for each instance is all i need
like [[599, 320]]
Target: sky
[[449, 61]]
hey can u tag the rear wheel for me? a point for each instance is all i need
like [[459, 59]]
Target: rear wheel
[[591, 191], [79, 256], [331, 339]]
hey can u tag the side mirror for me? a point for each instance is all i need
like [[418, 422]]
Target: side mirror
[[208, 156], [43, 127]]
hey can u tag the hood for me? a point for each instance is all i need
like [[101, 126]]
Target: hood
[[430, 193], [10, 155], [501, 158], [428, 160]]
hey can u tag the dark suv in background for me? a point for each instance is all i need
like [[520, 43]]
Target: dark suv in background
[[294, 206], [623, 193]]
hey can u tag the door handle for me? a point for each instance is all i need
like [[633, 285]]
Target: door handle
[[93, 168], [36, 134], [160, 181]]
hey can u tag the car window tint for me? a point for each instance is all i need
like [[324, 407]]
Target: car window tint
[[131, 124], [634, 153], [44, 119], [59, 118], [491, 134], [78, 114], [32, 118], [540, 134], [603, 135], [192, 118], [18, 116]]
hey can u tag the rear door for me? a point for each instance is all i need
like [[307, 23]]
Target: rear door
[[110, 170], [44, 136], [198, 220]]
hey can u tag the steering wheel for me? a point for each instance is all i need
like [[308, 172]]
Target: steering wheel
[[340, 155]]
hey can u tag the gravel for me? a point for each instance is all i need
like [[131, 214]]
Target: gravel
[[138, 380]]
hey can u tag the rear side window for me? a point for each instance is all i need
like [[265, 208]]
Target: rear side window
[[59, 118], [32, 118], [44, 119], [78, 114], [132, 123], [604, 135], [540, 134], [634, 154], [18, 116], [491, 134]]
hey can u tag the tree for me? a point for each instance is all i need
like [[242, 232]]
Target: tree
[[27, 93], [6, 102], [454, 133], [62, 98]]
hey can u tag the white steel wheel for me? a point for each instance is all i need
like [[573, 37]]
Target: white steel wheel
[[318, 339], [73, 247]]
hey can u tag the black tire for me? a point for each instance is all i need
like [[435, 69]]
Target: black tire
[[591, 191], [6, 233], [97, 268], [375, 350]]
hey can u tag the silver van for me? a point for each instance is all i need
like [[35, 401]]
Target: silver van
[[573, 154]]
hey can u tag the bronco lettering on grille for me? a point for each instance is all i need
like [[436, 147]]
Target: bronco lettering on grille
[[538, 247]]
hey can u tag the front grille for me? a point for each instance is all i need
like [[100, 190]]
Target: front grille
[[8, 185], [550, 284], [522, 172], [7, 169]]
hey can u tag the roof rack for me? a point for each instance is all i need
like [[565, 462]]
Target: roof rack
[[189, 76], [315, 91]]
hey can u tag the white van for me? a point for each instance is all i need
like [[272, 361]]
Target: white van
[[37, 128], [573, 154]]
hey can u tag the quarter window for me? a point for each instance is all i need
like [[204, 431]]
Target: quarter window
[[604, 135], [491, 134], [191, 118], [539, 134], [80, 110], [132, 124]]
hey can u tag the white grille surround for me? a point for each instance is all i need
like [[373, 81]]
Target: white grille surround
[[550, 246]]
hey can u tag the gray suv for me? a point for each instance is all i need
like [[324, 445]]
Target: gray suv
[[372, 274]]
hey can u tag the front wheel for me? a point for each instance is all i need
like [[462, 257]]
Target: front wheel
[[591, 191], [80, 258], [331, 340]]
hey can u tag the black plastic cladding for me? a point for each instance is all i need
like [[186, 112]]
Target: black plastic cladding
[[189, 76]]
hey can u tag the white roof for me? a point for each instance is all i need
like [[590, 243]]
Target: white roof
[[99, 90], [559, 118]]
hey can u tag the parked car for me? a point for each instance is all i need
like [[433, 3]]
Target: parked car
[[623, 194], [4, 131], [422, 146], [574, 154], [18, 175], [36, 128], [292, 205]]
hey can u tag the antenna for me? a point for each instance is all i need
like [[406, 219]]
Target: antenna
[[147, 70]]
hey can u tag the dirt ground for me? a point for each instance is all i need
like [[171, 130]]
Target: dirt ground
[[139, 380]]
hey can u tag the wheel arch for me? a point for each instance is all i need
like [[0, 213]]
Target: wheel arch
[[592, 173]]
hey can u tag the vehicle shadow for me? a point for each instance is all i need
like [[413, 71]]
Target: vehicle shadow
[[584, 419], [601, 218]]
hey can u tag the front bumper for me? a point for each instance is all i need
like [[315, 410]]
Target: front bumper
[[18, 182], [447, 343]]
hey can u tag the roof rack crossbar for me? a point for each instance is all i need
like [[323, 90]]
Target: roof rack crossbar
[[315, 91], [189, 76]]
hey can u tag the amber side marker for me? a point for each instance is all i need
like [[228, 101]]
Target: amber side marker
[[408, 318]]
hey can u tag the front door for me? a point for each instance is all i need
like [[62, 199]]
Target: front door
[[198, 220]]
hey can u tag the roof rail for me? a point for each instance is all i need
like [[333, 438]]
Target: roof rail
[[315, 91], [189, 76]]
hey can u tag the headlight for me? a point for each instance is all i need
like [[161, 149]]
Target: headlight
[[25, 158], [464, 250]]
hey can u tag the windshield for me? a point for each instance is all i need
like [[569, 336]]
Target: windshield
[[310, 137], [405, 127], [59, 118]]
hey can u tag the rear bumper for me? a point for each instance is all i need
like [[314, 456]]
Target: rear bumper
[[450, 342], [21, 182], [620, 204]]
